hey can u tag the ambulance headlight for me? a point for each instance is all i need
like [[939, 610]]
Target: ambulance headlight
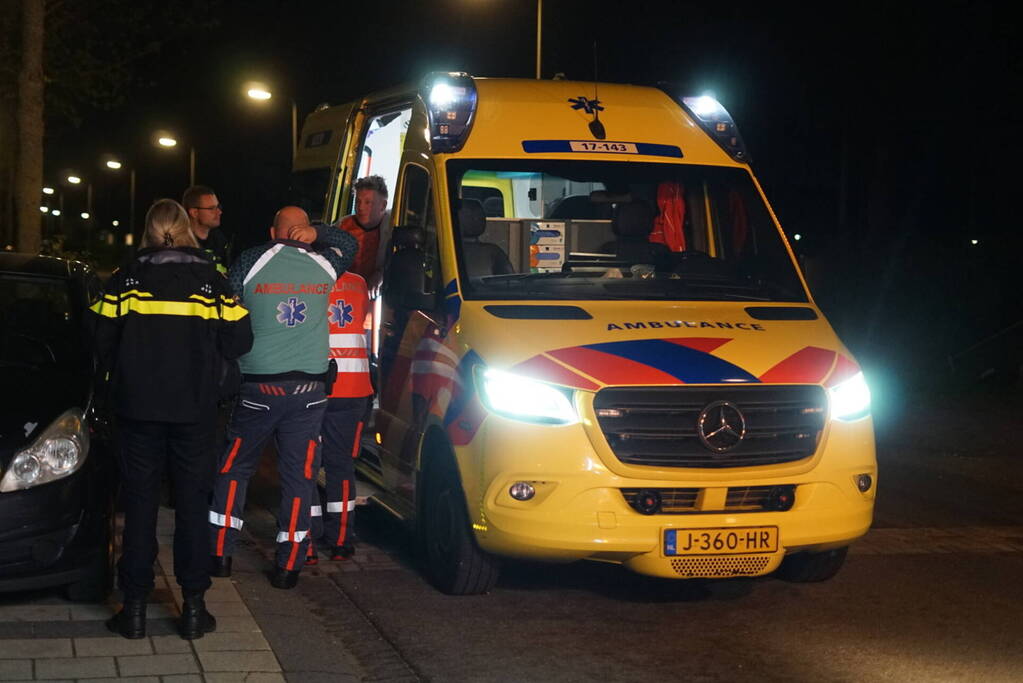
[[521, 398], [450, 105], [56, 453], [850, 400]]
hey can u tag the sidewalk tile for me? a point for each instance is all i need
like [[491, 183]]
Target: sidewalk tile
[[239, 661], [172, 645], [244, 678], [92, 612], [227, 609], [15, 669], [230, 642], [76, 667], [22, 648], [35, 613], [111, 647], [133, 679], [236, 624], [183, 678], [158, 665]]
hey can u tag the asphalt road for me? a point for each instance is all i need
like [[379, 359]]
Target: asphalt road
[[933, 593]]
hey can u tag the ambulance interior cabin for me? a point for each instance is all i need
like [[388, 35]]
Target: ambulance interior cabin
[[584, 230]]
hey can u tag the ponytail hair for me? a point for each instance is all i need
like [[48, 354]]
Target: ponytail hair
[[167, 225]]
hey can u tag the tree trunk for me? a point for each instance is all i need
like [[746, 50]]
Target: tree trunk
[[29, 174]]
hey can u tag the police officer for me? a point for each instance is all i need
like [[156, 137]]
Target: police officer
[[204, 212], [164, 321], [342, 424], [285, 285]]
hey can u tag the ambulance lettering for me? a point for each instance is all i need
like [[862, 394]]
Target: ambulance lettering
[[657, 324]]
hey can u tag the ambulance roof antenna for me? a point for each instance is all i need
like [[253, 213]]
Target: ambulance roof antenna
[[596, 127]]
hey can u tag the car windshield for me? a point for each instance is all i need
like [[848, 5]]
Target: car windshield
[[585, 230], [37, 322]]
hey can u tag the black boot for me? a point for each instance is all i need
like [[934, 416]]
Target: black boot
[[195, 620], [220, 565], [130, 622], [284, 579]]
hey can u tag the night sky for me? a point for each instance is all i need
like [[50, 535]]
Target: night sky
[[909, 103]]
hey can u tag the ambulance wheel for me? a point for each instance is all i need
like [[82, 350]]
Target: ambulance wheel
[[455, 564], [809, 567]]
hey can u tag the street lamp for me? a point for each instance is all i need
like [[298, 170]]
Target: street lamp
[[74, 180], [115, 165], [48, 190], [168, 141], [260, 93]]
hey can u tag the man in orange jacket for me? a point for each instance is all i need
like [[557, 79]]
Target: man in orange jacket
[[370, 225]]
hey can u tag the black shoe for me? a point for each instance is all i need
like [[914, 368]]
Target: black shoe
[[130, 622], [284, 579], [220, 565], [195, 621], [342, 552]]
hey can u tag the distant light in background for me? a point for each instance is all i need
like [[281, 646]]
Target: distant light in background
[[73, 179], [85, 215], [114, 164], [974, 242], [44, 209], [259, 93], [129, 239], [115, 223], [164, 141], [55, 212], [47, 190], [797, 237]]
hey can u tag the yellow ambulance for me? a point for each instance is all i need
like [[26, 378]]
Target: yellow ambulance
[[593, 341]]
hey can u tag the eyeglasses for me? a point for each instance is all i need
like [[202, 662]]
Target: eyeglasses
[[216, 207]]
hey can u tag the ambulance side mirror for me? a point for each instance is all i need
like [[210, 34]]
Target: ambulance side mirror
[[406, 282]]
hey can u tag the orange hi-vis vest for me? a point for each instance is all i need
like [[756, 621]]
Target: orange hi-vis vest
[[346, 315]]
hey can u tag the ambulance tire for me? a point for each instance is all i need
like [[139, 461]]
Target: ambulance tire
[[454, 561], [809, 567]]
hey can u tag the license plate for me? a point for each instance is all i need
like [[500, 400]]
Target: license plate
[[721, 541], [613, 147]]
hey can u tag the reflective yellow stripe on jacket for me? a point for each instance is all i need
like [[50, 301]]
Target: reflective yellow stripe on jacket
[[134, 301]]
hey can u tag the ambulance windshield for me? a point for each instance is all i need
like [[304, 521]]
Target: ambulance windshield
[[584, 230]]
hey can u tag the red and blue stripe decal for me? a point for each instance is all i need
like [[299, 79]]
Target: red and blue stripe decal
[[656, 361]]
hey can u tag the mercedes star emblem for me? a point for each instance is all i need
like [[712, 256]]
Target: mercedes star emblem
[[721, 426]]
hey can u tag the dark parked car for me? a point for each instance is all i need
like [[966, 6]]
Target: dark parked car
[[56, 459]]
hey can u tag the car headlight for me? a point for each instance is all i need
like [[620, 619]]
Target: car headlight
[[59, 451], [520, 398], [850, 400]]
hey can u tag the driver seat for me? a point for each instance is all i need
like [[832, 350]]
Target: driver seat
[[632, 224], [481, 258]]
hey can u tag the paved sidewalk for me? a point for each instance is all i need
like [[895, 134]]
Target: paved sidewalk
[[43, 637]]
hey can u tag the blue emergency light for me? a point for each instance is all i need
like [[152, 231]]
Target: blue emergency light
[[450, 100], [716, 120]]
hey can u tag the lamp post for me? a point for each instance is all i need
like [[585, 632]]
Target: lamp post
[[168, 141], [116, 165], [539, 34], [261, 93]]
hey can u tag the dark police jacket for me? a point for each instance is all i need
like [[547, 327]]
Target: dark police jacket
[[162, 332]]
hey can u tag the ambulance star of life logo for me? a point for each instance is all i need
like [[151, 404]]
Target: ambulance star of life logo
[[340, 313], [291, 312], [587, 105]]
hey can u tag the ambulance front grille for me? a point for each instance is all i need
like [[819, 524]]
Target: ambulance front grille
[[657, 426], [684, 500]]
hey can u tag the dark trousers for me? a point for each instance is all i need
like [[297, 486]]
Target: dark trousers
[[187, 452], [293, 412], [342, 428]]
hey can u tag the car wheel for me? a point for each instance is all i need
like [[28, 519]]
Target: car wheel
[[455, 563], [807, 567], [97, 580]]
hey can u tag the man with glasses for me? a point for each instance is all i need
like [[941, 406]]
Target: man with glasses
[[204, 212]]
